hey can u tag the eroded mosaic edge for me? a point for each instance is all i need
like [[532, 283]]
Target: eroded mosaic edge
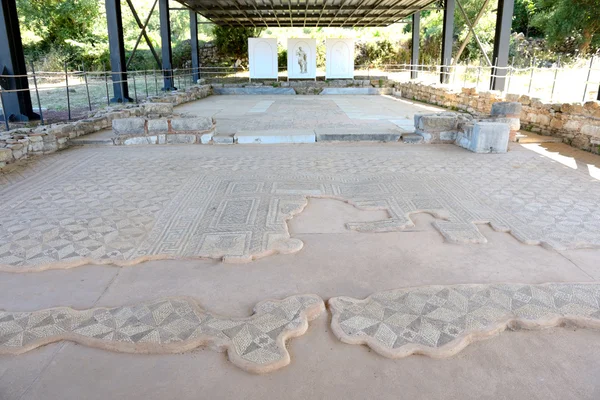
[[171, 325], [440, 321]]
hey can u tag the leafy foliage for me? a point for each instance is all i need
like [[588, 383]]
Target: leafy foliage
[[74, 31], [233, 41], [569, 21]]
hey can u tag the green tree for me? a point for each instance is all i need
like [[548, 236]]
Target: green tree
[[56, 21], [233, 41], [564, 21]]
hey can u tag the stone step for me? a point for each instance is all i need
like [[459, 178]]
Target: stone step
[[357, 135], [252, 90], [275, 136], [355, 91], [91, 142], [223, 138], [412, 138]]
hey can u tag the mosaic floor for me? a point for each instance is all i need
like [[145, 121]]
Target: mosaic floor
[[440, 321], [174, 325], [260, 113], [123, 205]]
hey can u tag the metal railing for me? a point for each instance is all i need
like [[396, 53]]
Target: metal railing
[[562, 84], [71, 95]]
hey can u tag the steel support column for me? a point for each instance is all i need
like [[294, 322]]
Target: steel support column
[[447, 40], [194, 43], [118, 64], [165, 40], [416, 35], [12, 62], [502, 43]]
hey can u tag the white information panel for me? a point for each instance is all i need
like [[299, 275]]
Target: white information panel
[[302, 58], [340, 59], [262, 57]]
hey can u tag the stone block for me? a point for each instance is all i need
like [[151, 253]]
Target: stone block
[[525, 100], [129, 126], [543, 119], [357, 135], [591, 130], [485, 137], [356, 91], [572, 125], [442, 122], [6, 155], [222, 139], [196, 124], [36, 144], [181, 139], [447, 136], [505, 108], [206, 138], [514, 123], [140, 140], [158, 125], [162, 109], [255, 90], [50, 144], [592, 106]]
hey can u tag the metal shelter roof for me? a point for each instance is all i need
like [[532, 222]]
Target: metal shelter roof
[[306, 13]]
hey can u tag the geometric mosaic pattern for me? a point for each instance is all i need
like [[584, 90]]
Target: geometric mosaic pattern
[[172, 325], [440, 321], [126, 205]]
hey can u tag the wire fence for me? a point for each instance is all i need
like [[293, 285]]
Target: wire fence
[[550, 84], [71, 95]]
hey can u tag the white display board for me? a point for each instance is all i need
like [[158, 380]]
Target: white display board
[[262, 57], [302, 58], [339, 62]]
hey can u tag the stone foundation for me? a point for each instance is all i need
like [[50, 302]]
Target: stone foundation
[[314, 87], [490, 135], [18, 144], [577, 124], [180, 129]]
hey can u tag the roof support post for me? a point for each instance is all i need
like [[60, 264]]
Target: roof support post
[[447, 40], [165, 40], [502, 43], [194, 44], [12, 62], [416, 34], [118, 64]]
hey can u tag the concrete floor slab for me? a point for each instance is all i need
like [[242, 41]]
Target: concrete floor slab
[[31, 292], [515, 365]]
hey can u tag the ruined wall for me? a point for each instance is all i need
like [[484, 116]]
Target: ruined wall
[[18, 144], [577, 124], [209, 56]]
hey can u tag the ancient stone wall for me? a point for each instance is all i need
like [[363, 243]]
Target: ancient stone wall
[[209, 56], [577, 124], [315, 87], [21, 143]]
